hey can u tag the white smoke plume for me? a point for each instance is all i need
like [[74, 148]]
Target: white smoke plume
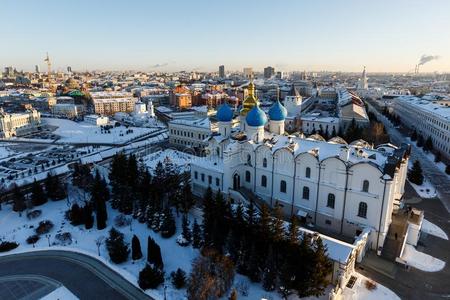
[[426, 58]]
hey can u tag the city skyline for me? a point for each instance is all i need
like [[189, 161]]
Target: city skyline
[[138, 35]]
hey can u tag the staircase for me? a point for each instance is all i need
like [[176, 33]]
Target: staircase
[[396, 236]]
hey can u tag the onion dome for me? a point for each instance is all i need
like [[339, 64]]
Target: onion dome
[[256, 117], [224, 113], [277, 112]]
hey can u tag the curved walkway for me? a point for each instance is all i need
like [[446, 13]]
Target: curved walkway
[[84, 276]]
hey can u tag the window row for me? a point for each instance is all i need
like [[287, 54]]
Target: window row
[[210, 179]]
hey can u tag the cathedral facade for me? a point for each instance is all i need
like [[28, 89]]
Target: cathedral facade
[[338, 187]]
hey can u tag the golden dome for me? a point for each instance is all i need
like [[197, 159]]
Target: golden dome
[[250, 101]]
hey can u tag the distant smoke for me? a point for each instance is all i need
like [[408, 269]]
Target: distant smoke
[[159, 65], [426, 58]]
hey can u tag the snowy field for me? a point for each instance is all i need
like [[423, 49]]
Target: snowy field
[[73, 132], [426, 190], [4, 151], [15, 228], [421, 261], [360, 291], [61, 293], [433, 229]]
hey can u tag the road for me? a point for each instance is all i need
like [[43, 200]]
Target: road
[[84, 276], [438, 178]]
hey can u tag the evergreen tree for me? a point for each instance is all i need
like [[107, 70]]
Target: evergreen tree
[[188, 198], [447, 169], [186, 231], [437, 157], [154, 253], [100, 194], [293, 230], [136, 252], [88, 218], [414, 136], [196, 235], [168, 227], [415, 174], [428, 144], [150, 277], [117, 248], [208, 217], [277, 226], [76, 215], [38, 197], [178, 278], [420, 141], [19, 200], [269, 275], [322, 267]]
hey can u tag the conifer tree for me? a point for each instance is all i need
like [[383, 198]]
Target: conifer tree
[[322, 267], [415, 174], [87, 216], [269, 275], [186, 231], [414, 136], [168, 227], [19, 200], [100, 194], [154, 253], [150, 277], [437, 157], [293, 230], [178, 278], [38, 196], [136, 252], [196, 235], [208, 217], [428, 144], [447, 169], [117, 248]]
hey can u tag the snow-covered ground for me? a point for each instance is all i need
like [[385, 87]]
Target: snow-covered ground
[[181, 160], [15, 228], [361, 292], [426, 190], [421, 261], [430, 156], [61, 293], [4, 151], [81, 132], [433, 229]]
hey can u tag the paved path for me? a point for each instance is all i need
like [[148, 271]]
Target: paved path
[[438, 178], [84, 276]]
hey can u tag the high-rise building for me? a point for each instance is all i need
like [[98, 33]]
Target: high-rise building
[[269, 72], [248, 72], [222, 71]]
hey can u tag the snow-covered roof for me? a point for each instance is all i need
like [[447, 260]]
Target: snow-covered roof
[[422, 104]]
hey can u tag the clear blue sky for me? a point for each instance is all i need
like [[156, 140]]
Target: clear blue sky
[[384, 35]]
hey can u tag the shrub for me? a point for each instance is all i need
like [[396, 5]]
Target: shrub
[[178, 278], [122, 221], [32, 239], [34, 214], [63, 239], [8, 246], [44, 227], [370, 285], [150, 277]]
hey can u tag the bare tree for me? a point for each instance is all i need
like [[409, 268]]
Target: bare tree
[[99, 242]]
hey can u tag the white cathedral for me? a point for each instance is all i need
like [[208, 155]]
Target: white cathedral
[[337, 187]]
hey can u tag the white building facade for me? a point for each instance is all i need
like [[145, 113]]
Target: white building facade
[[190, 133], [16, 124], [428, 118]]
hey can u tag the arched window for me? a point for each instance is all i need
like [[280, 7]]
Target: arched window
[[330, 200], [366, 186], [249, 159], [264, 181], [306, 193], [362, 210], [308, 172], [218, 151], [283, 186], [247, 176], [264, 162]]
